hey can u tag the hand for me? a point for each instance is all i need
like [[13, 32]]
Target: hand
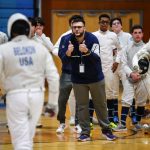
[[135, 76], [83, 48], [70, 49], [38, 32], [114, 67]]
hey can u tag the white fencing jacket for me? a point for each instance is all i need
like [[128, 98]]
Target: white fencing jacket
[[3, 38], [108, 42], [43, 39], [128, 55], [25, 65]]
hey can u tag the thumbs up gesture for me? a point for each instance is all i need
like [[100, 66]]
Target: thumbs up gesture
[[83, 48], [70, 49]]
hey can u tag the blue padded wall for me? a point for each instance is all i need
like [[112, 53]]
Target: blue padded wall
[[8, 7]]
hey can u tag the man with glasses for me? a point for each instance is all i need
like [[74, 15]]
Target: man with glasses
[[81, 48], [65, 87], [110, 57]]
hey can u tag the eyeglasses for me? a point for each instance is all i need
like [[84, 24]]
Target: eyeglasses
[[78, 27], [116, 23], [104, 22]]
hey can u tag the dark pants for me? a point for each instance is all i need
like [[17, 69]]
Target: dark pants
[[98, 95], [64, 92]]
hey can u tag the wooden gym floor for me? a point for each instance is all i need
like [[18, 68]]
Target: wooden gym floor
[[47, 139]]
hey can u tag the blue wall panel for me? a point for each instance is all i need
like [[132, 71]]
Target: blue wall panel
[[16, 3], [8, 7], [5, 13]]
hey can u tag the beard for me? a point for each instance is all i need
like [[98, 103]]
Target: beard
[[79, 35]]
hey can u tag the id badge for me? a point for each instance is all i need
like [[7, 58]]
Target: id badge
[[81, 68]]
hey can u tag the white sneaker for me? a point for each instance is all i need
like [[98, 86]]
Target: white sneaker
[[146, 128], [39, 125], [77, 129], [72, 121], [138, 127], [95, 121], [61, 128]]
